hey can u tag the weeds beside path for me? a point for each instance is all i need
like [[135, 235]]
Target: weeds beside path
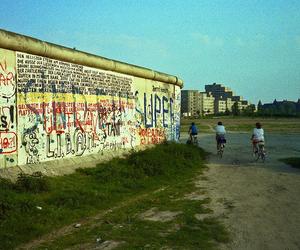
[[292, 161], [88, 222], [123, 203]]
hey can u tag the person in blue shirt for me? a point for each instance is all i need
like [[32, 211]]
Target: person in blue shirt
[[193, 131]]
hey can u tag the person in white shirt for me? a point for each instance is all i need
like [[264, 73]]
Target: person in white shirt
[[220, 133], [257, 136]]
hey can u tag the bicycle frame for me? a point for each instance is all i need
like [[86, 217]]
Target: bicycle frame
[[194, 140], [220, 149], [260, 151]]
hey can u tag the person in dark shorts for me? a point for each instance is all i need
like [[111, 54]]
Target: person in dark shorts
[[193, 131], [220, 134]]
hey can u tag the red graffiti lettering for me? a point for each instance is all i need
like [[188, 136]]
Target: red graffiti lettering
[[7, 81], [8, 142], [152, 135]]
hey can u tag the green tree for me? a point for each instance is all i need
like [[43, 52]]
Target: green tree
[[260, 110], [227, 112], [249, 110], [235, 109], [289, 108]]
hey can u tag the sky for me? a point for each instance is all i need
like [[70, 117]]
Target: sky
[[251, 46]]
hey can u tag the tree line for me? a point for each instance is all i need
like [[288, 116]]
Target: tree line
[[275, 109], [279, 108]]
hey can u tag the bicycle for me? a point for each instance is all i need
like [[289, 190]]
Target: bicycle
[[220, 149], [220, 146], [260, 152], [194, 140]]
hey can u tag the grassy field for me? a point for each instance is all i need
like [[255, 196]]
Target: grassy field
[[108, 200], [293, 161], [244, 124]]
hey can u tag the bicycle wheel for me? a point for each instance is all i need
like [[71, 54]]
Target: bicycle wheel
[[263, 157], [196, 141], [256, 156], [263, 154], [256, 153], [221, 150]]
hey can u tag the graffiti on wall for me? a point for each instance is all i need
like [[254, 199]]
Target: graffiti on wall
[[8, 136], [7, 79], [160, 112], [50, 109], [70, 110], [176, 115]]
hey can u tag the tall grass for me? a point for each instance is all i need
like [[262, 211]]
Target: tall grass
[[292, 161], [36, 204]]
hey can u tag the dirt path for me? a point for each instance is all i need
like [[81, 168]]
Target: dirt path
[[88, 222], [259, 203], [262, 200]]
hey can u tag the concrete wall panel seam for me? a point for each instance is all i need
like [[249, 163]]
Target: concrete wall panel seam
[[17, 42]]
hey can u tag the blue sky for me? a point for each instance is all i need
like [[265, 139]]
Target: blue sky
[[250, 46]]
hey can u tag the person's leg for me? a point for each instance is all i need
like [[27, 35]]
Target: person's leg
[[218, 144], [195, 139], [262, 148], [255, 149]]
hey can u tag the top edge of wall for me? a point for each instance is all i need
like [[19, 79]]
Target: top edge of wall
[[17, 42]]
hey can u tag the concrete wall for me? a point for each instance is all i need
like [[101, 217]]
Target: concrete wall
[[54, 109]]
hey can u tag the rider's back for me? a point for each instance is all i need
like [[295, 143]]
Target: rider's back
[[220, 130], [193, 129], [258, 134]]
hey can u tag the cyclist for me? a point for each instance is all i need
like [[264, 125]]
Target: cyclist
[[220, 134], [193, 131], [257, 136]]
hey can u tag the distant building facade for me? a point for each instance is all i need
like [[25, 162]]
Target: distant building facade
[[220, 106], [216, 99], [191, 103], [208, 103], [225, 98], [229, 104], [219, 91]]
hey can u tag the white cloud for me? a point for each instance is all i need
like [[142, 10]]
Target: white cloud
[[207, 40], [254, 41]]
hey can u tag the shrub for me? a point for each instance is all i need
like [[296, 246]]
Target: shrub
[[292, 161], [35, 183]]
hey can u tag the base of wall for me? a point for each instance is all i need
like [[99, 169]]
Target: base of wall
[[68, 165]]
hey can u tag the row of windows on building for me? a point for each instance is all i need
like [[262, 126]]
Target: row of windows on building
[[215, 99]]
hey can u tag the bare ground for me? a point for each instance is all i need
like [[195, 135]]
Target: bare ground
[[258, 202], [89, 222]]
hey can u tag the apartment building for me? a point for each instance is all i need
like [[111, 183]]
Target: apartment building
[[220, 106], [191, 104], [219, 91], [215, 100], [221, 94], [208, 103], [243, 104], [229, 104]]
